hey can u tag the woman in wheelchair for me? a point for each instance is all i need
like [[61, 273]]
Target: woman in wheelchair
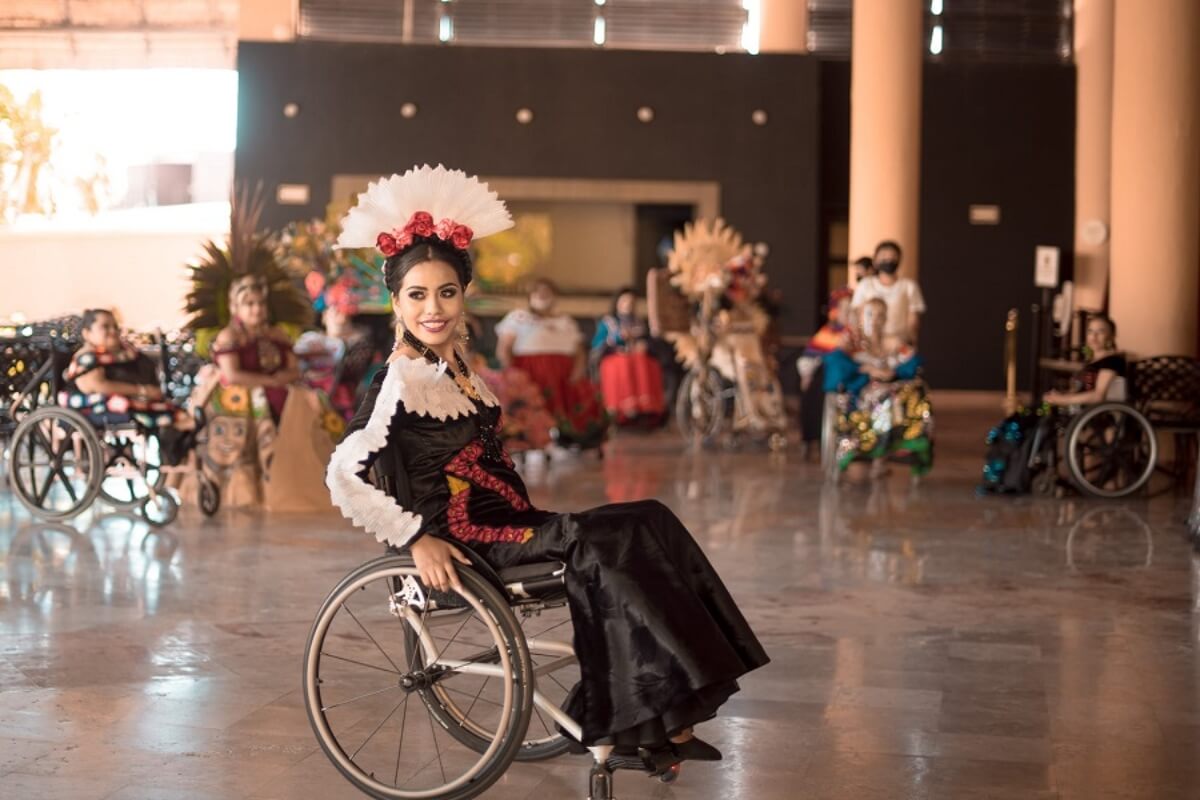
[[1103, 376], [660, 641], [110, 381]]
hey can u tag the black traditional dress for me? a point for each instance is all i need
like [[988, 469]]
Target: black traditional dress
[[660, 641]]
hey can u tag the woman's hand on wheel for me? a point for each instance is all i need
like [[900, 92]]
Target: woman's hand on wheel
[[435, 561]]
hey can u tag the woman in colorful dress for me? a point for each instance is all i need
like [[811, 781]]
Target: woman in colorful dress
[[548, 347], [263, 442], [660, 641], [630, 379], [884, 411], [110, 381]]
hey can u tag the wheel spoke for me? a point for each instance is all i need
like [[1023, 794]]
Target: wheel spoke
[[400, 746], [542, 719], [371, 736], [475, 699], [437, 748], [547, 630], [360, 663], [369, 636], [468, 694], [360, 697], [66, 482]]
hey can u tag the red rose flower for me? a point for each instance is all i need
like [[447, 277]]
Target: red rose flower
[[387, 245], [461, 237], [421, 224]]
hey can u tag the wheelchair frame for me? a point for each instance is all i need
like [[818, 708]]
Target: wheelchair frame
[[81, 455], [496, 598]]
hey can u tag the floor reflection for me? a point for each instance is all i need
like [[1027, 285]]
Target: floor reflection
[[926, 642]]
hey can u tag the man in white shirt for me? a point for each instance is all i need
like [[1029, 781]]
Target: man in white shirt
[[905, 305]]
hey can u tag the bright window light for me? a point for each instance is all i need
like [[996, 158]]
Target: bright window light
[[601, 2], [446, 28], [110, 132], [935, 7], [935, 40], [599, 31], [752, 29]]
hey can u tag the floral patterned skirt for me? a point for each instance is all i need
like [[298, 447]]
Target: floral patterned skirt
[[886, 420]]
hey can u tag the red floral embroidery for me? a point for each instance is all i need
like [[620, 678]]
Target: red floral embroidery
[[465, 465], [463, 472]]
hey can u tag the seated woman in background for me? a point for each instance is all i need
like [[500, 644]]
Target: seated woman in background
[[268, 438], [110, 381], [548, 347], [630, 379], [883, 407], [1103, 376]]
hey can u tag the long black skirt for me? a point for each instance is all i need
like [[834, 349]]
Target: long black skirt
[[660, 641]]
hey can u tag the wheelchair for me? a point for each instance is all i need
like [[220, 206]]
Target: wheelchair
[[423, 695], [60, 461], [837, 405], [1111, 449]]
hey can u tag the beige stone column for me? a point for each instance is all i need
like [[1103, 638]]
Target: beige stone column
[[885, 126], [1093, 149], [784, 26], [1156, 176], [267, 20]]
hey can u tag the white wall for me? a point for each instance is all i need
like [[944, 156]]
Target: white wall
[[133, 262]]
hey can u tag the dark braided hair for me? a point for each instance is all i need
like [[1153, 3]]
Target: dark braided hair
[[426, 248]]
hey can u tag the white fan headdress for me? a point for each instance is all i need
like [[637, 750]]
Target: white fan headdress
[[430, 202]]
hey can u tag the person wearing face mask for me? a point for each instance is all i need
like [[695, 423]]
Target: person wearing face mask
[[883, 407], [905, 303], [548, 346]]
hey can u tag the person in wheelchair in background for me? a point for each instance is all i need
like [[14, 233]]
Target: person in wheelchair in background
[[882, 407], [1103, 376], [660, 641], [111, 382]]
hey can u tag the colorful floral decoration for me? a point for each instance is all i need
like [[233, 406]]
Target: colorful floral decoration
[[348, 280]]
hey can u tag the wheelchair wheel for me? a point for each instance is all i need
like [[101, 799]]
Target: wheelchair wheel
[[829, 436], [1111, 450], [549, 639], [132, 469], [56, 463], [209, 495], [700, 405], [548, 635], [369, 695], [160, 508]]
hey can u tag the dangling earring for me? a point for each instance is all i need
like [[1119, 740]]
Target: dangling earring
[[401, 328], [464, 331]]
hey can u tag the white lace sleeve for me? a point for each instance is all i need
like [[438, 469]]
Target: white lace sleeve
[[367, 507]]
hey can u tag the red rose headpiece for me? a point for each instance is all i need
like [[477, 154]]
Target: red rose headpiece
[[421, 224], [437, 203]]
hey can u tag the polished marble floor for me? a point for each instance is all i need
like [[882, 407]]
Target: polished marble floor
[[927, 643]]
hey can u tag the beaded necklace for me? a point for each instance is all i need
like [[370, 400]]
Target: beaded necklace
[[461, 376]]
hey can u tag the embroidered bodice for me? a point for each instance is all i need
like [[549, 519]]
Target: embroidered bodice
[[438, 461]]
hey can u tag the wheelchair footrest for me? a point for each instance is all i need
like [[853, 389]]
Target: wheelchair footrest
[[652, 762]]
